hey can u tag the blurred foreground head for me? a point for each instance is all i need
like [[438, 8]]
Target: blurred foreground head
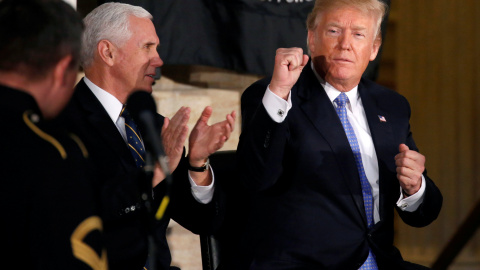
[[40, 49]]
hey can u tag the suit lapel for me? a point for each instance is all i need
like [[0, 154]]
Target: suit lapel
[[102, 123], [382, 136], [317, 107]]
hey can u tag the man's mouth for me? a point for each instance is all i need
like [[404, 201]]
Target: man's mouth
[[343, 60]]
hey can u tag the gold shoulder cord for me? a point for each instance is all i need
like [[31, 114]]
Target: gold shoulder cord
[[44, 135], [83, 251], [80, 144]]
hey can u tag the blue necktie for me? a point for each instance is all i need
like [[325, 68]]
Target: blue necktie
[[341, 109], [134, 140]]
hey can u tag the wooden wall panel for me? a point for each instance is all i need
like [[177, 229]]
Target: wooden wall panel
[[437, 67]]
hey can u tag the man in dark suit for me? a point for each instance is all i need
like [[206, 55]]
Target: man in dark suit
[[328, 156], [50, 211], [119, 56]]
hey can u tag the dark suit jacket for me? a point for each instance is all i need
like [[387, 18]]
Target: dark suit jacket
[[307, 206], [121, 183]]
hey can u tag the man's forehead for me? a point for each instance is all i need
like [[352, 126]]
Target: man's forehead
[[144, 32], [351, 17]]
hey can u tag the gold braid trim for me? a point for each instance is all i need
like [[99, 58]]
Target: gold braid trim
[[83, 251], [44, 135], [80, 144]]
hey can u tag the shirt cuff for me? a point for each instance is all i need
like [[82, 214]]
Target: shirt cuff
[[202, 194], [276, 106], [412, 202]]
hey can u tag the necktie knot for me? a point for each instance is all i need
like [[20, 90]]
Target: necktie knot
[[124, 113], [341, 100]]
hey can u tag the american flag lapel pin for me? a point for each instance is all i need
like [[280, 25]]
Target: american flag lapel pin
[[382, 118]]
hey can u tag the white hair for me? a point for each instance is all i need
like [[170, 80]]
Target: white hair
[[111, 22]]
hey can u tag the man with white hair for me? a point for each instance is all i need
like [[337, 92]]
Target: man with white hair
[[119, 56], [328, 155]]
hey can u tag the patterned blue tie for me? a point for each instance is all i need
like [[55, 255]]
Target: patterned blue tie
[[341, 109], [134, 140]]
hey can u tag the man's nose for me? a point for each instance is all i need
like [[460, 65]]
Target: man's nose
[[345, 41], [156, 61]]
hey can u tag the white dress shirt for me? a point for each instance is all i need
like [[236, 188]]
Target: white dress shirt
[[113, 106], [278, 109]]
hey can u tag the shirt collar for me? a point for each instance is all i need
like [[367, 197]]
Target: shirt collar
[[111, 104], [333, 93]]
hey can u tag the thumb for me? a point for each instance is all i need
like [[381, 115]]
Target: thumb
[[207, 112], [305, 60], [403, 147], [166, 121]]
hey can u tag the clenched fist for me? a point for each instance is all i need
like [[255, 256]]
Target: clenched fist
[[289, 63]]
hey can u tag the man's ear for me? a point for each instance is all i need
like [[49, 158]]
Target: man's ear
[[376, 46], [311, 40], [61, 76], [61, 81], [106, 51]]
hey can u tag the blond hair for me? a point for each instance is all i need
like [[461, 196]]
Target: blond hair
[[374, 7]]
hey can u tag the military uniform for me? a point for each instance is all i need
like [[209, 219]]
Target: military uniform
[[48, 201]]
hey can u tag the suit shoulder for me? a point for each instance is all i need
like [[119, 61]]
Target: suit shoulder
[[381, 92], [256, 90]]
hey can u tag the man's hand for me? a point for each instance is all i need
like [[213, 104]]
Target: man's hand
[[174, 134], [289, 63], [206, 140], [410, 166]]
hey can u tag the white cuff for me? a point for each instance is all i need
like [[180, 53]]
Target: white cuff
[[276, 106], [412, 202], [203, 194]]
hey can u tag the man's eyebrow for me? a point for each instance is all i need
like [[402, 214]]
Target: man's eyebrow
[[359, 28], [334, 24], [150, 43], [355, 27]]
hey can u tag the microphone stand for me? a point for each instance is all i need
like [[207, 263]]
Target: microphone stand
[[143, 109], [147, 198]]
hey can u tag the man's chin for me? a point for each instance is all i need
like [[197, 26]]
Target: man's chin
[[341, 74], [146, 88]]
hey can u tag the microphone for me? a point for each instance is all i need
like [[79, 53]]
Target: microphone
[[143, 110]]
